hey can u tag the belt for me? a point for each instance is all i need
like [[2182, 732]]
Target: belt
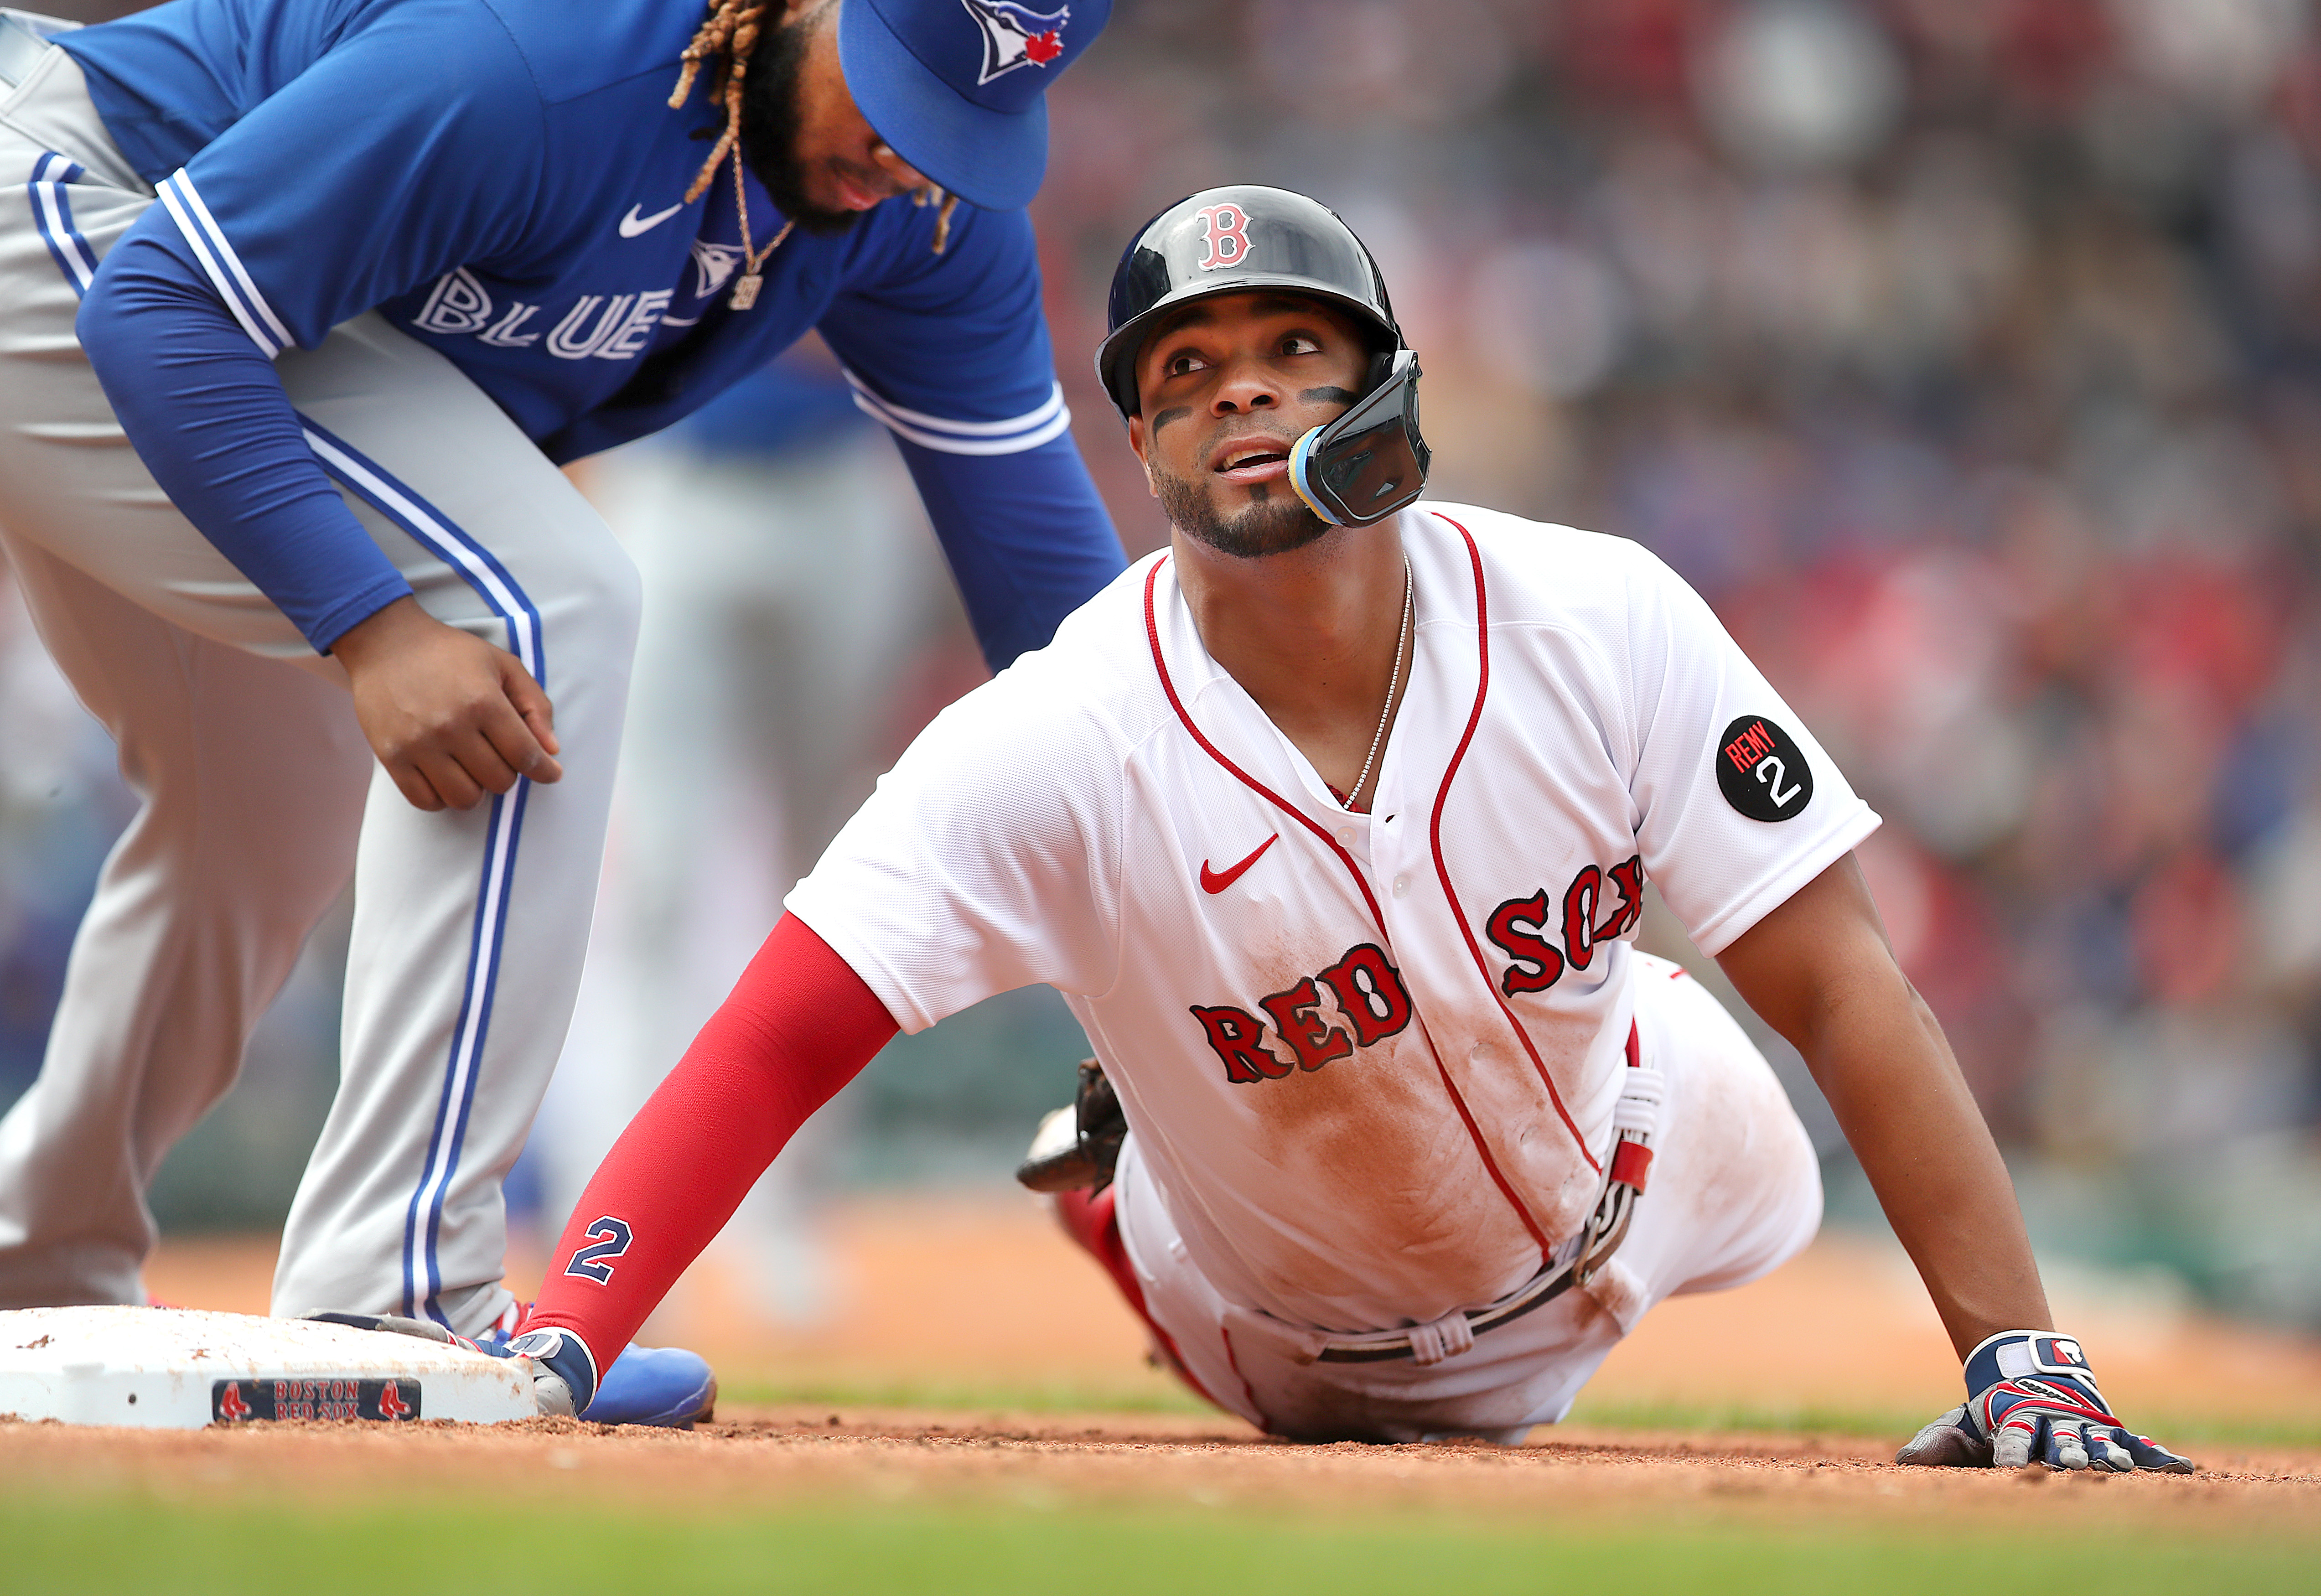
[[1642, 1090], [24, 40]]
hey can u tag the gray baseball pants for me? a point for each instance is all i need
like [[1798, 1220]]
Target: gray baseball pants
[[259, 797]]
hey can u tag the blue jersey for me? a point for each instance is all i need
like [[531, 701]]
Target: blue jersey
[[795, 407], [504, 181]]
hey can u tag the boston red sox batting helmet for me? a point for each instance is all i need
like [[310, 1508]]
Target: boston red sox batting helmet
[[1369, 462]]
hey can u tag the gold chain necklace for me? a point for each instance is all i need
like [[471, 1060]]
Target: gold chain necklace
[[1401, 640], [753, 260]]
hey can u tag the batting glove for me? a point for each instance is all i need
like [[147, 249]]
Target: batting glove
[[2032, 1397], [564, 1372]]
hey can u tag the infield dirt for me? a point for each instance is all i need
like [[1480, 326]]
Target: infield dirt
[[796, 1454], [971, 1356]]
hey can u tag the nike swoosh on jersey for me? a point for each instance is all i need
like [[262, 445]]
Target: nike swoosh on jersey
[[1214, 881], [632, 224]]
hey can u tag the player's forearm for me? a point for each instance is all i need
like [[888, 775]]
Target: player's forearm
[[798, 1025], [1028, 539], [1883, 1063], [1820, 972], [209, 418]]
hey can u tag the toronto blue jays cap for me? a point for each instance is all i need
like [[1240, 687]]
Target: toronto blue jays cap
[[956, 86]]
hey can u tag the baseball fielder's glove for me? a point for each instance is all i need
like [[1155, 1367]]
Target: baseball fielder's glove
[[1076, 1148], [2033, 1399]]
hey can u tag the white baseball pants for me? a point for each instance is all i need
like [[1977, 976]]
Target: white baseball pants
[[1734, 1191], [259, 797]]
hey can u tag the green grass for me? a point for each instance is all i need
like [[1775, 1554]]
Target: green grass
[[135, 1544]]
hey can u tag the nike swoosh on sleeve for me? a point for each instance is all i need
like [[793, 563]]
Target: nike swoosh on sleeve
[[632, 224], [1214, 881]]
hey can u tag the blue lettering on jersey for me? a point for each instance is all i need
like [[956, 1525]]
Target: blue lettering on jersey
[[504, 181]]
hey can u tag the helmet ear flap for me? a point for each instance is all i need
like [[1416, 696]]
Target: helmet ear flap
[[1372, 460]]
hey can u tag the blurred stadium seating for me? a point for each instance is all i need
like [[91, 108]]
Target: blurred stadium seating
[[1967, 355]]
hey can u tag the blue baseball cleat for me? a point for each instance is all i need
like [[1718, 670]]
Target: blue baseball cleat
[[666, 1386]]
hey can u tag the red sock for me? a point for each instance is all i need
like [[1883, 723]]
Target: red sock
[[798, 1024], [1091, 1220]]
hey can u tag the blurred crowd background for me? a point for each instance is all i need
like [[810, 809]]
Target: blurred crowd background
[[1966, 354]]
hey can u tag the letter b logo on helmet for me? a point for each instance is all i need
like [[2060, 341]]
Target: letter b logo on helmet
[[1369, 461], [1226, 232], [1227, 241]]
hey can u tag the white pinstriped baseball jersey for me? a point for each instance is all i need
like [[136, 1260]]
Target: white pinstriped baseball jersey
[[1370, 1060]]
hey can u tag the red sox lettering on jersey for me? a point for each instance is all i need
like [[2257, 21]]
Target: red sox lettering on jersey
[[1370, 1001], [1370, 1061], [1518, 927]]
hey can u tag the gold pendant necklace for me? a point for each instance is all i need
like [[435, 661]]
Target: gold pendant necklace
[[753, 261]]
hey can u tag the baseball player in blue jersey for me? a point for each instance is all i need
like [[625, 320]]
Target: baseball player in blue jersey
[[302, 303]]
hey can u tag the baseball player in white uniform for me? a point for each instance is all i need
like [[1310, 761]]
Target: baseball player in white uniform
[[1332, 822]]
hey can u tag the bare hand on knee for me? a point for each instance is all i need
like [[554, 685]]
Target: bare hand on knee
[[450, 715]]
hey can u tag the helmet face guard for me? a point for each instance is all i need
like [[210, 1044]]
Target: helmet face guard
[[1372, 460]]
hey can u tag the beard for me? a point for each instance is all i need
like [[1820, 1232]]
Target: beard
[[770, 129], [1269, 524]]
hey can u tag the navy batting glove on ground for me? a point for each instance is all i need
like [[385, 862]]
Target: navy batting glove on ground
[[566, 1373], [2031, 1397]]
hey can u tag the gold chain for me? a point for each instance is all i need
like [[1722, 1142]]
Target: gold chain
[[1401, 640], [753, 260]]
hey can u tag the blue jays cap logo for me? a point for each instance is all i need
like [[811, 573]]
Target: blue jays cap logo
[[942, 81], [1017, 36]]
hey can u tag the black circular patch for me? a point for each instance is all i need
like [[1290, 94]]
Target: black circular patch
[[1761, 771]]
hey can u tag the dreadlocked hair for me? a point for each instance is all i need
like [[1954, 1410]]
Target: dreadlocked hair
[[949, 203], [731, 31]]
